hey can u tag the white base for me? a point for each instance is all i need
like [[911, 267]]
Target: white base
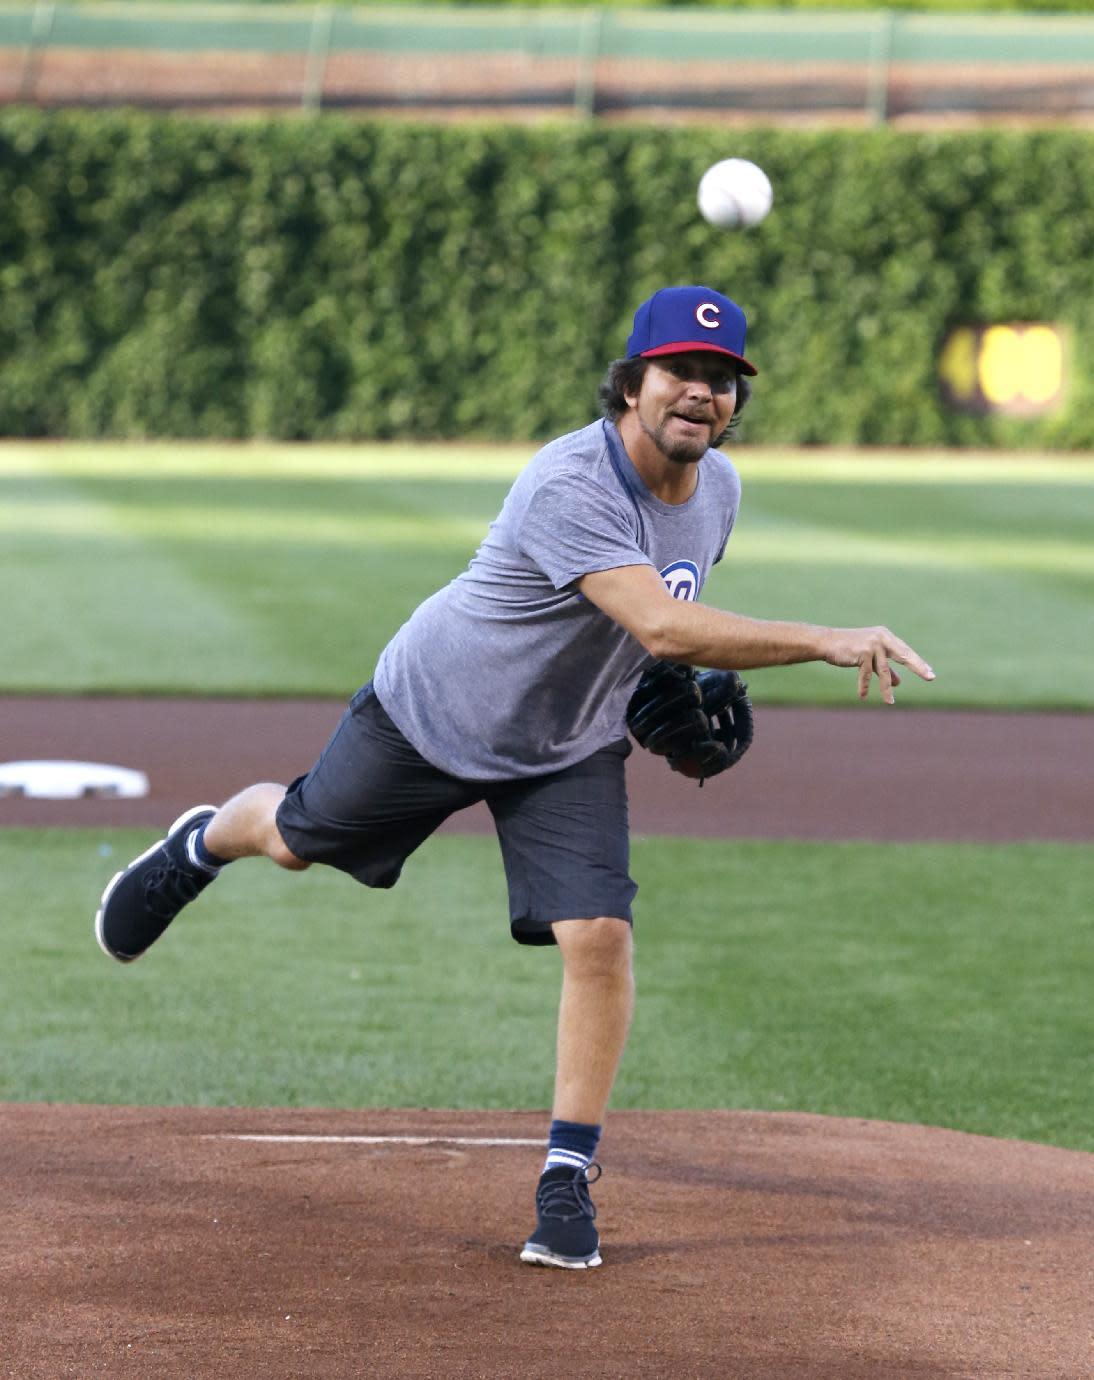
[[71, 780]]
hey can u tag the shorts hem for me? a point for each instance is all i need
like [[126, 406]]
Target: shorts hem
[[538, 932]]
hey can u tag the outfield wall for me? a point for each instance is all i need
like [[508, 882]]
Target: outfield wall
[[342, 279], [716, 64]]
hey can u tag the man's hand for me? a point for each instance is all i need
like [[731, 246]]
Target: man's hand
[[873, 650]]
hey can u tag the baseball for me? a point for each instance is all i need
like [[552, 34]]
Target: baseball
[[734, 192]]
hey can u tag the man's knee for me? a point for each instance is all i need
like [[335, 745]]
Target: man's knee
[[282, 854], [602, 945]]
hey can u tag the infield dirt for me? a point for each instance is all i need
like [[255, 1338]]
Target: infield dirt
[[863, 772], [140, 1242], [148, 1242]]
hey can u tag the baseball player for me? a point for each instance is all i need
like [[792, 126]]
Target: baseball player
[[515, 684]]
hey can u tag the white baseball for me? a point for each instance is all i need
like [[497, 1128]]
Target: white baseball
[[734, 192]]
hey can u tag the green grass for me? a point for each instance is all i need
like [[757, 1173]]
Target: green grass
[[942, 984], [284, 569]]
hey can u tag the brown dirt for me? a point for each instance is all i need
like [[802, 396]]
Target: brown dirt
[[859, 772], [744, 1246], [139, 1242]]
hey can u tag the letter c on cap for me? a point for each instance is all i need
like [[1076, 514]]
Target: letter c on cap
[[701, 315]]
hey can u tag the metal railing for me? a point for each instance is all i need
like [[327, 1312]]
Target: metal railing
[[720, 65]]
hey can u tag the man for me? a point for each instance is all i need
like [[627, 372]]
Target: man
[[511, 685]]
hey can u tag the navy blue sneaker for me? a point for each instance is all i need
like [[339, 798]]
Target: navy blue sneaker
[[142, 900], [565, 1234]]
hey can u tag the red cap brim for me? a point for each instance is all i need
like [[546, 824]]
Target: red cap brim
[[684, 347]]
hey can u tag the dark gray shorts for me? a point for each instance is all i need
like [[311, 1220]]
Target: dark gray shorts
[[372, 798]]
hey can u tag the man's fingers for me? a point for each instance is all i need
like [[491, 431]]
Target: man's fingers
[[874, 650], [877, 664], [903, 653], [885, 677]]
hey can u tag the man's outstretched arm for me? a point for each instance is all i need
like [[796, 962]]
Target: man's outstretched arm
[[699, 635]]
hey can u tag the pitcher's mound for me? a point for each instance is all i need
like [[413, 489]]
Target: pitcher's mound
[[305, 1243]]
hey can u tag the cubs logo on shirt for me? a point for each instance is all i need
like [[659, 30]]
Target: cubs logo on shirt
[[682, 580]]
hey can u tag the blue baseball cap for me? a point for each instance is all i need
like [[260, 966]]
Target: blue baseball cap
[[679, 319]]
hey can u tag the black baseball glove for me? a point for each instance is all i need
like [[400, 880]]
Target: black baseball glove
[[700, 720]]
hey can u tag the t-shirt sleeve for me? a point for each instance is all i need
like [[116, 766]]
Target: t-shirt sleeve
[[573, 526], [725, 540], [730, 483]]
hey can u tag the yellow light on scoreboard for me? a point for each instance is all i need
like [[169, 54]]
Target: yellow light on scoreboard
[[1016, 369]]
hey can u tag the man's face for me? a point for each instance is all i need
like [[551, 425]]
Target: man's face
[[686, 402]]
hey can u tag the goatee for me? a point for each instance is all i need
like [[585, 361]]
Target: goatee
[[681, 450]]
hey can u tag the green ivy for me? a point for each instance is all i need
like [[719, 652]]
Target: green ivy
[[335, 278]]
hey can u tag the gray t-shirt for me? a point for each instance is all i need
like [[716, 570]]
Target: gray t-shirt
[[508, 671]]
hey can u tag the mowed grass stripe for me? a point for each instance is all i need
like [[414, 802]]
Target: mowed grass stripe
[[259, 460], [1002, 641], [789, 543], [86, 614], [942, 984], [285, 569], [432, 460], [216, 522]]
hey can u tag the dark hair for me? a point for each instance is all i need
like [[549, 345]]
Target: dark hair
[[625, 376]]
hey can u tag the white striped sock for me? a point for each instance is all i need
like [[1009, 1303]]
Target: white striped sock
[[572, 1159], [191, 853]]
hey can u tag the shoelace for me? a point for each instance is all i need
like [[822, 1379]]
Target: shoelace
[[568, 1198], [170, 887]]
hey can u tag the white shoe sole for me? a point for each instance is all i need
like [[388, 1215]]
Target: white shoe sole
[[531, 1256], [131, 958]]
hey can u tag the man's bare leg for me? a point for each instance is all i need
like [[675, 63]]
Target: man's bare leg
[[594, 1014], [594, 1017], [246, 827]]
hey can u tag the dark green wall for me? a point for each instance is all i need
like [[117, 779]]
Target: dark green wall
[[341, 279]]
